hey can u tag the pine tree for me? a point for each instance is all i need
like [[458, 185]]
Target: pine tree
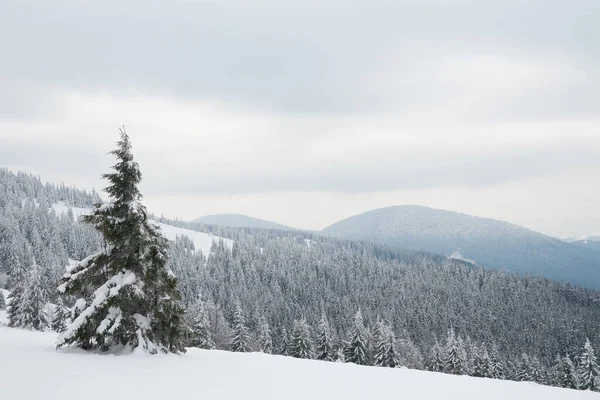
[[456, 361], [566, 376], [59, 319], [16, 297], [324, 346], [127, 295], [385, 347], [435, 361], [356, 349], [498, 368], [285, 342], [523, 372], [301, 344], [240, 337], [2, 301], [28, 307], [201, 336], [588, 371], [264, 336]]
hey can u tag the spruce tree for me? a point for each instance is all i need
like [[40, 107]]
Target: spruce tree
[[16, 297], [456, 361], [356, 349], [264, 336], [385, 347], [126, 294], [498, 367], [588, 371], [285, 342], [566, 376], [523, 371], [2, 301], [240, 337], [324, 346], [435, 361], [300, 344], [27, 308], [60, 316], [201, 336]]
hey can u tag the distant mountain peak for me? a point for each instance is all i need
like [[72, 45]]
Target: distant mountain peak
[[487, 242], [240, 221]]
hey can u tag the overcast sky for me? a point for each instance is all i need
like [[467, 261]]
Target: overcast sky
[[306, 112]]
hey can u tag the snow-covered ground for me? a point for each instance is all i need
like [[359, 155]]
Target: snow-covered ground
[[31, 369], [202, 241], [62, 208]]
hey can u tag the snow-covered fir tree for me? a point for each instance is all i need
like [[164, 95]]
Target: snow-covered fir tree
[[436, 360], [455, 360], [2, 301], [483, 365], [126, 294], [566, 376], [300, 342], [240, 339], [356, 348], [201, 336], [284, 345], [497, 363], [16, 297], [27, 307], [384, 346], [588, 372], [523, 370], [265, 342], [60, 317], [324, 350]]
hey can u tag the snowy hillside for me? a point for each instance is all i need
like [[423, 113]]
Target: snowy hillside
[[488, 242], [30, 357], [240, 221], [202, 241]]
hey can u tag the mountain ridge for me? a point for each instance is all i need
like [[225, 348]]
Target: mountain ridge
[[241, 221], [489, 242]]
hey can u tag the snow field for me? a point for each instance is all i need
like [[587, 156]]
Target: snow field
[[31, 369]]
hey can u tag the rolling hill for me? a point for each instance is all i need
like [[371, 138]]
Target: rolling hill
[[490, 243], [240, 221]]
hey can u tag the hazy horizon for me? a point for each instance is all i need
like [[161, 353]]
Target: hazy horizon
[[307, 113]]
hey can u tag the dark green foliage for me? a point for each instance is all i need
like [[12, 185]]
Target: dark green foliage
[[127, 295]]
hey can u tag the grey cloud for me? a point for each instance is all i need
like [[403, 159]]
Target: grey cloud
[[291, 57], [375, 171]]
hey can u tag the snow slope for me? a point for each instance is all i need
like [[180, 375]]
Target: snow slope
[[32, 369], [202, 241]]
